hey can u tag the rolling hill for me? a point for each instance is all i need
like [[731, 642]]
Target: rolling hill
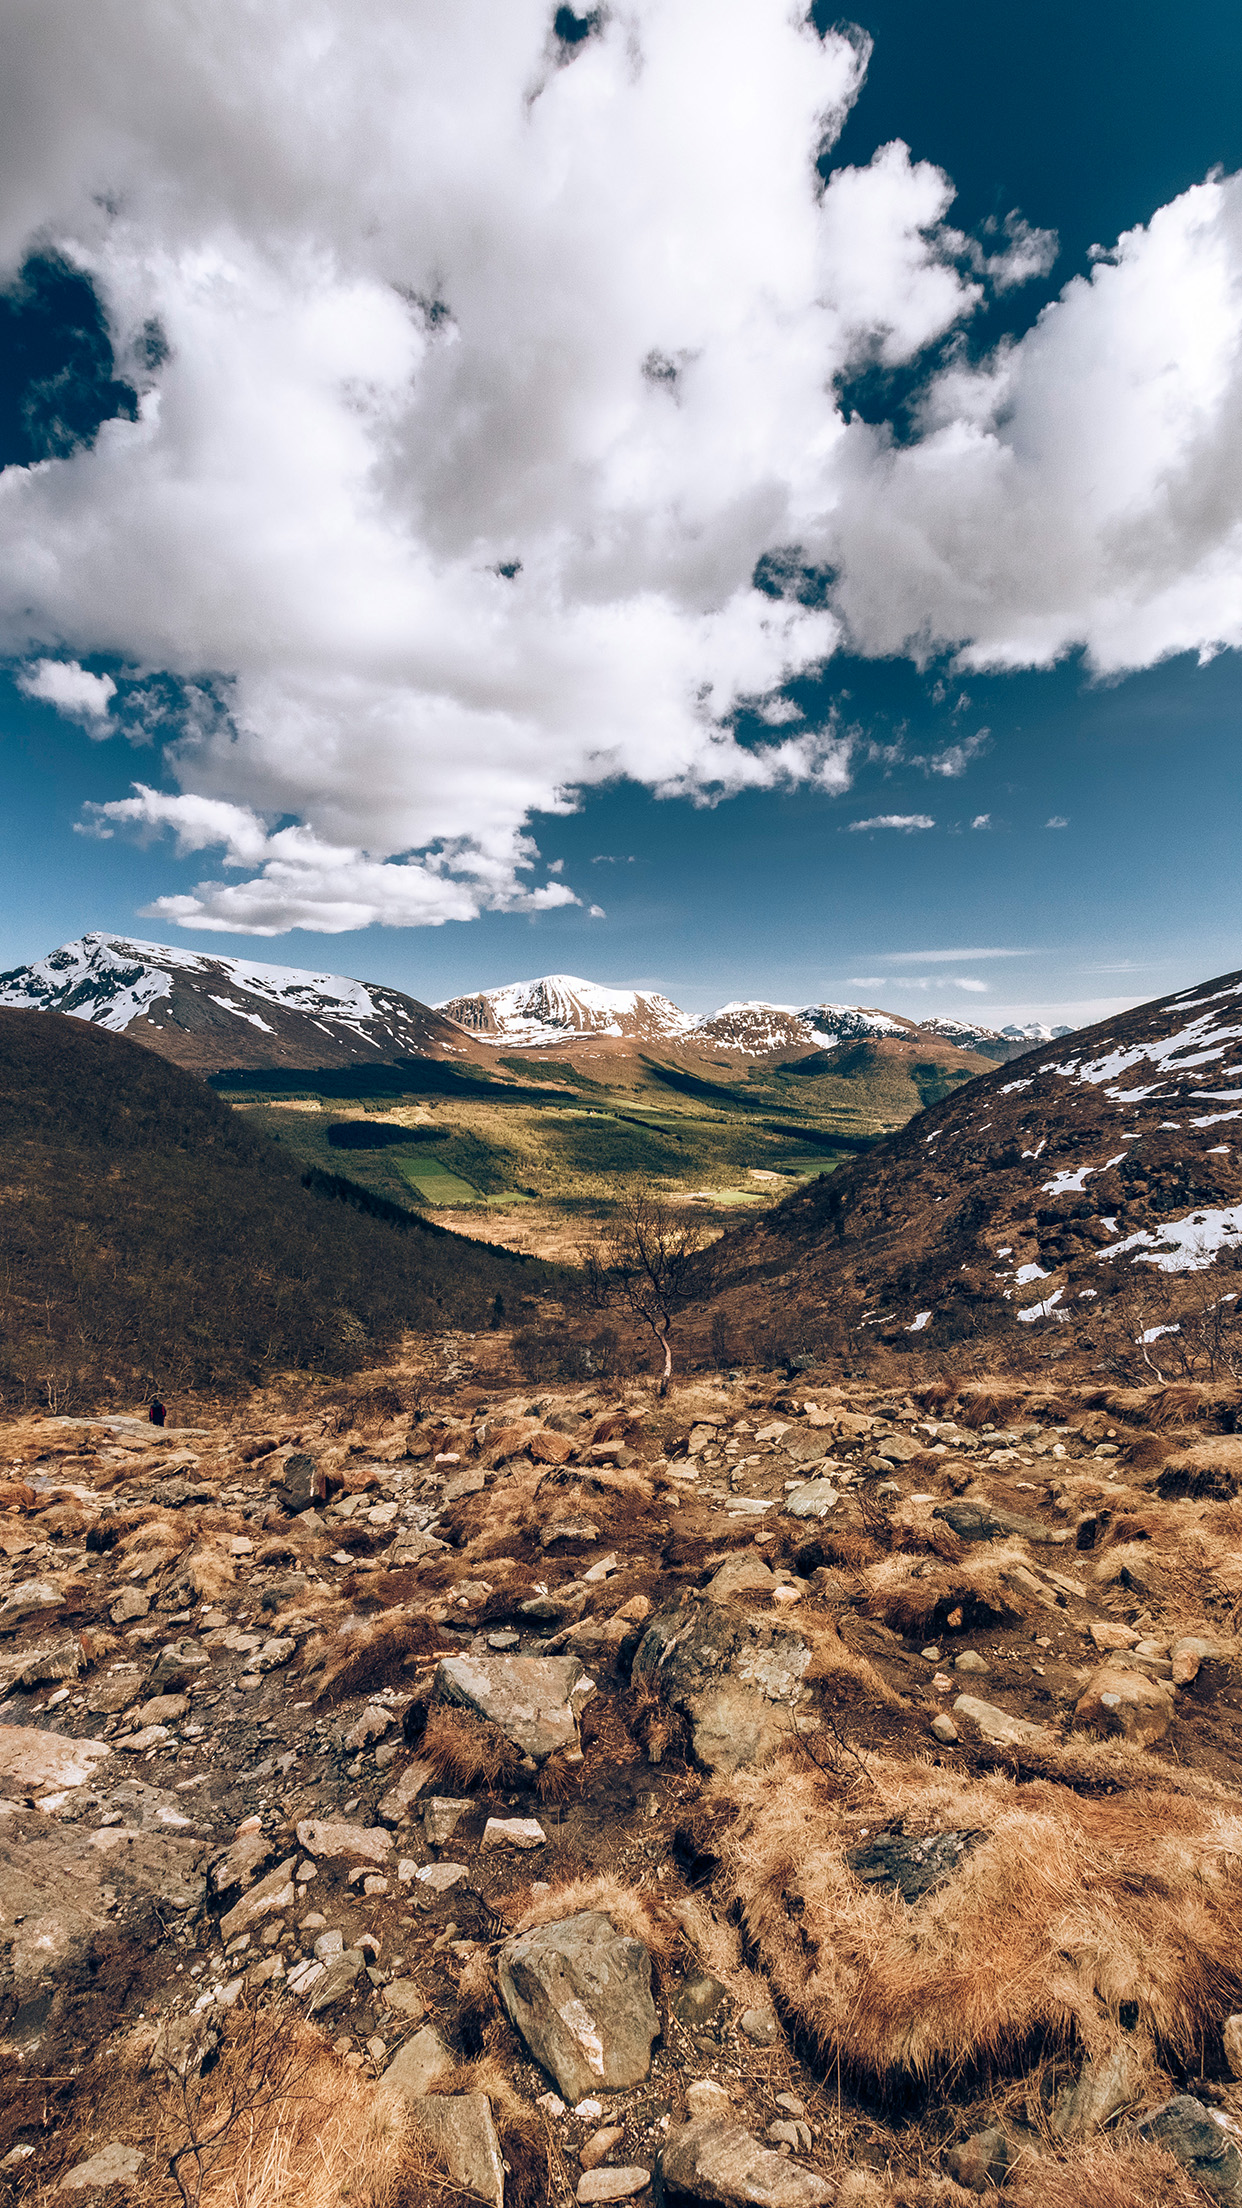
[[1091, 1196]]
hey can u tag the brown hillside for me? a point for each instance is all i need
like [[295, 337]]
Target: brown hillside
[[1095, 1192]]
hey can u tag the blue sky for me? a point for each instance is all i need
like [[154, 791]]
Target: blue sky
[[622, 720]]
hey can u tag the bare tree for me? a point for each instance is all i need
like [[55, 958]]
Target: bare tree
[[651, 1259]]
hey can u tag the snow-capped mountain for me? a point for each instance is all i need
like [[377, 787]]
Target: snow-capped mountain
[[556, 1008], [563, 1008], [210, 1013]]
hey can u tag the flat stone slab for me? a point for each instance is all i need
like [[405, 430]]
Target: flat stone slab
[[361, 1843], [116, 2164], [814, 1499], [34, 1762], [617, 2184], [530, 1699], [418, 2064], [719, 2162], [272, 1895], [513, 1832], [998, 1726]]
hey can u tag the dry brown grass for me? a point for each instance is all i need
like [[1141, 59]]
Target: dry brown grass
[[210, 1571], [1064, 1910], [637, 1911], [468, 1750], [831, 1658], [363, 1661], [990, 1403], [1105, 2174], [914, 1596], [279, 2122]]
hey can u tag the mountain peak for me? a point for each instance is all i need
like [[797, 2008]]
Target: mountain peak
[[558, 1008]]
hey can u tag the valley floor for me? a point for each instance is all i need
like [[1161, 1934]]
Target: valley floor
[[430, 1789]]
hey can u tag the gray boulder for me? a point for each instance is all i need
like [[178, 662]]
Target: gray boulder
[[343, 1972], [177, 1666], [302, 1485], [720, 2162], [579, 1992], [462, 2136]]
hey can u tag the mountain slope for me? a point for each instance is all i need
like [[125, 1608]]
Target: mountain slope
[[1109, 1167], [214, 1013], [150, 1236]]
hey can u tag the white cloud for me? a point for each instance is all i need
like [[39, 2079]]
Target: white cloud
[[982, 820], [952, 958], [908, 823], [70, 688], [1058, 820], [979, 987], [491, 379], [1080, 488]]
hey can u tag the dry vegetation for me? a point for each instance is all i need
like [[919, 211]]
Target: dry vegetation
[[1084, 1910]]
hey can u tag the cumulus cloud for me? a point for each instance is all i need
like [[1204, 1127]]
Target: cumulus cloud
[[982, 820], [1057, 820], [907, 823], [1080, 488], [70, 688], [490, 368]]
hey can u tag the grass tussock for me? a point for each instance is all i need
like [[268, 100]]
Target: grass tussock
[[921, 1597], [362, 1662], [210, 1571], [633, 1910], [468, 1750], [1106, 2174], [831, 1658], [277, 2122], [1063, 1911], [990, 1403]]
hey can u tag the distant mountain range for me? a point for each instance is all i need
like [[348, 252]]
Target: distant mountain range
[[214, 1014], [561, 1008]]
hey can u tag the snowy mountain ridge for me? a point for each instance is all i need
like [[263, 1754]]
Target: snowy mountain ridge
[[210, 1012]]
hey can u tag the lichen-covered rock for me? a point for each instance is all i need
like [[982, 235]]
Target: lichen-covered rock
[[532, 1700], [1190, 2133], [721, 2163], [737, 1679]]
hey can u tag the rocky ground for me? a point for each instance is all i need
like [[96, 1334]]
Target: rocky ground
[[774, 1794]]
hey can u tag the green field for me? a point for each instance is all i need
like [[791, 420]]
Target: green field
[[537, 1132]]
